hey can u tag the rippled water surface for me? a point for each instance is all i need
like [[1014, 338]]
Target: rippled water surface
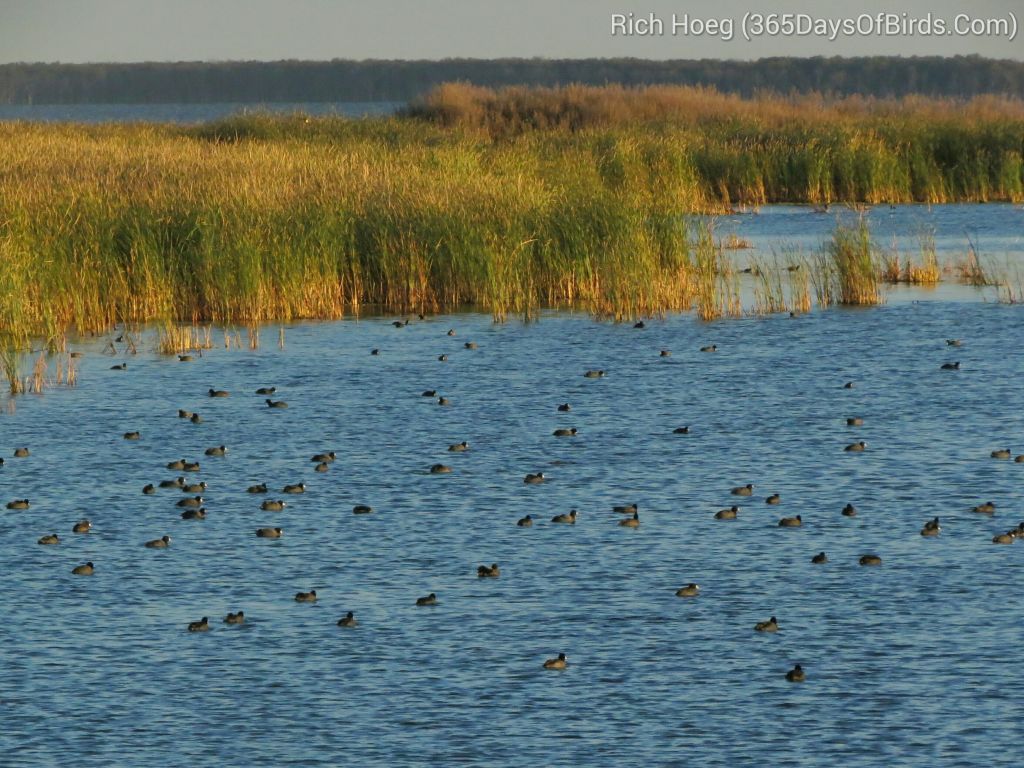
[[912, 663]]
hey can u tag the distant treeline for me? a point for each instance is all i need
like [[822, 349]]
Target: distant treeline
[[339, 80]]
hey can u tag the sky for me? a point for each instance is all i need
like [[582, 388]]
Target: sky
[[189, 30]]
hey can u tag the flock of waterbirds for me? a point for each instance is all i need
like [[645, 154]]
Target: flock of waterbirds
[[193, 506]]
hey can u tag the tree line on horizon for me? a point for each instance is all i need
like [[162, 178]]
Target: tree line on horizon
[[400, 81]]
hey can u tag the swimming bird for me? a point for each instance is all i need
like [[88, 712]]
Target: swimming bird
[[712, 348], [564, 408], [149, 489], [195, 418], [121, 367], [848, 385], [348, 620], [52, 538], [690, 590], [796, 674], [430, 599], [560, 663], [219, 392], [400, 323], [988, 508], [849, 511], [176, 483], [266, 390], [1002, 453], [819, 559], [1018, 460], [1003, 538], [258, 488], [324, 458], [162, 543], [951, 366], [18, 504], [235, 618], [931, 528], [570, 432], [440, 469], [854, 421], [185, 358], [857, 447], [194, 487], [361, 509], [727, 514], [953, 342], [773, 499], [534, 479], [294, 488], [569, 518], [459, 447], [306, 597], [639, 324], [593, 374], [183, 414], [191, 466], [681, 430], [743, 490], [470, 345], [429, 392], [488, 572], [442, 358], [870, 560], [179, 465], [132, 436], [84, 570], [82, 526], [194, 514], [203, 625], [195, 501], [791, 522], [443, 401], [273, 506], [323, 466], [269, 533], [217, 450], [665, 353], [525, 522], [631, 522], [451, 332], [275, 403], [772, 625], [625, 509]]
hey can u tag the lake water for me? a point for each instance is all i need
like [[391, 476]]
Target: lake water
[[184, 113], [910, 663]]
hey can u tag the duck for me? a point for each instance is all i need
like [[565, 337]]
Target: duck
[[870, 560], [931, 528], [570, 432], [269, 533], [593, 374], [681, 430], [558, 663], [324, 458], [18, 504], [791, 522], [121, 367], [149, 489], [86, 569], [191, 466], [195, 418], [727, 514], [258, 488], [52, 538], [564, 408], [348, 620], [773, 499], [440, 469], [195, 501], [857, 447], [854, 421], [953, 342], [625, 509], [443, 401], [235, 618], [442, 358], [430, 599], [569, 518], [132, 436], [218, 450], [796, 674], [162, 543], [772, 625], [488, 572], [988, 508], [176, 483], [848, 385], [631, 522], [951, 366], [266, 390], [470, 345], [185, 358], [218, 393], [362, 509], [459, 447], [82, 526], [819, 559], [194, 487], [1003, 538], [306, 597], [273, 506], [1002, 453], [690, 590], [525, 522], [743, 490], [203, 625], [294, 488], [712, 348], [1018, 460], [194, 514], [275, 403], [665, 353], [639, 324], [183, 414], [451, 332], [534, 479], [400, 323], [849, 511], [428, 393], [178, 465], [323, 466]]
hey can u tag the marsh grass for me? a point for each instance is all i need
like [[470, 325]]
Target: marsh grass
[[970, 270], [904, 268], [855, 270]]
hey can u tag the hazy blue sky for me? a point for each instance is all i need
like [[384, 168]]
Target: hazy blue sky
[[162, 30]]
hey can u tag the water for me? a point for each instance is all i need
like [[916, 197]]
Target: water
[[912, 663], [184, 113]]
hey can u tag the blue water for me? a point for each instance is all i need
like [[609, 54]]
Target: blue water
[[912, 663], [184, 113]]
